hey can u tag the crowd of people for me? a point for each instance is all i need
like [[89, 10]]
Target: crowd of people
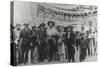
[[50, 42]]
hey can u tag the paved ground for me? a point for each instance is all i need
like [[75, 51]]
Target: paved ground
[[90, 58], [87, 59]]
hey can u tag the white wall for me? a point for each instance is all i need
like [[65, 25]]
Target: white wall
[[24, 12]]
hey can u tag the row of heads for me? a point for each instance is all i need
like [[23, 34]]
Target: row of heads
[[50, 23], [42, 24]]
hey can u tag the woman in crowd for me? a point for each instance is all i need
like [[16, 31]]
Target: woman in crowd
[[60, 43], [91, 45]]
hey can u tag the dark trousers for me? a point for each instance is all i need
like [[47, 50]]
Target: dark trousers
[[25, 46], [32, 50], [71, 52], [41, 51], [25, 52], [82, 53], [52, 50]]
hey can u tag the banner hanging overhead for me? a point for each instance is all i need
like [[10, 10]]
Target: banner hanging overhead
[[66, 15]]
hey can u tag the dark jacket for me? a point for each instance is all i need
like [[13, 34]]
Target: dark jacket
[[69, 41]]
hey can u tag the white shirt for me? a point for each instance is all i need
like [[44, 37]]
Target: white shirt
[[16, 35], [90, 35], [51, 31]]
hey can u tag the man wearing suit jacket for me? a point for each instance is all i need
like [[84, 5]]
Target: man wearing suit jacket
[[25, 40], [69, 42]]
